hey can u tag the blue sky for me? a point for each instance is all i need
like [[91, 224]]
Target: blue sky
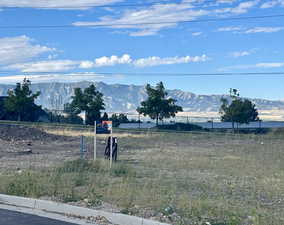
[[126, 41]]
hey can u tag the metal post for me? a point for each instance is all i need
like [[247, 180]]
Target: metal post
[[110, 163], [81, 147], [95, 141]]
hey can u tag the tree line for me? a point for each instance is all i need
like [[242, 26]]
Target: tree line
[[20, 105]]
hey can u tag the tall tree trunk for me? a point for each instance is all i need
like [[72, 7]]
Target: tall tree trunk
[[157, 118]]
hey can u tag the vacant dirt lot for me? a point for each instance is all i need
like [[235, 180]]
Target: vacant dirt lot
[[179, 178], [23, 147]]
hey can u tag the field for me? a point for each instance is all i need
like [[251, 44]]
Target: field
[[266, 115], [179, 178]]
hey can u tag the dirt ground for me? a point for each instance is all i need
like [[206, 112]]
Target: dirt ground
[[27, 147], [174, 177]]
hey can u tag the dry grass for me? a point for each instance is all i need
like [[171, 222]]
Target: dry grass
[[174, 177], [69, 132]]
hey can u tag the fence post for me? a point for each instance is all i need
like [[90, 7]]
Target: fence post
[[95, 141], [82, 147], [111, 150]]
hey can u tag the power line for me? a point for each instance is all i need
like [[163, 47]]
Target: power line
[[146, 74], [133, 24], [156, 3]]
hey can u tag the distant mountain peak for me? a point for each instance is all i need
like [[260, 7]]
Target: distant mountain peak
[[126, 98]]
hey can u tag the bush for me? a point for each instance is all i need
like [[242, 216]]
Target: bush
[[180, 127]]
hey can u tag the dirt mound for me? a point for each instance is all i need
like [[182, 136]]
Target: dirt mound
[[18, 133]]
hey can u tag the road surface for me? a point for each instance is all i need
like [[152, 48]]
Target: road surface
[[8, 217]]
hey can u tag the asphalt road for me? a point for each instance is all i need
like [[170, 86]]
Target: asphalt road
[[8, 217]]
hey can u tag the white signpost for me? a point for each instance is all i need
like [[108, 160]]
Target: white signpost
[[95, 141]]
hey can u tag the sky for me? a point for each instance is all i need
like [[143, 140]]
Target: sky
[[139, 42]]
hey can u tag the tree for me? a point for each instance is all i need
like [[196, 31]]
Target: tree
[[123, 118], [118, 119], [157, 106], [90, 101], [3, 110], [105, 117], [21, 102], [239, 111]]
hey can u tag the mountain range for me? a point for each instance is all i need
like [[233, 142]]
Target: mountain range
[[126, 98]]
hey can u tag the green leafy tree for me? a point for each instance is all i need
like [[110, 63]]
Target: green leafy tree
[[157, 106], [3, 110], [240, 111], [71, 109], [89, 101], [105, 117], [123, 118], [115, 120], [21, 102]]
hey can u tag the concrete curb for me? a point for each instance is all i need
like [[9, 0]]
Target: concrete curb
[[60, 208]]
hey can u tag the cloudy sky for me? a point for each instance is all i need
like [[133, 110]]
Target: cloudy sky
[[138, 42]]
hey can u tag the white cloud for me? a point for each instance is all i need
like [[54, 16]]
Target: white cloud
[[151, 20], [45, 66], [156, 61], [59, 4], [154, 14], [40, 78], [20, 49], [266, 65], [86, 64], [227, 29], [67, 65], [270, 65], [226, 1], [271, 4], [263, 30], [242, 30], [238, 54], [242, 8], [145, 32], [196, 33], [113, 60]]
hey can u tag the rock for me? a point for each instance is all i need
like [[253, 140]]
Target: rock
[[27, 151]]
